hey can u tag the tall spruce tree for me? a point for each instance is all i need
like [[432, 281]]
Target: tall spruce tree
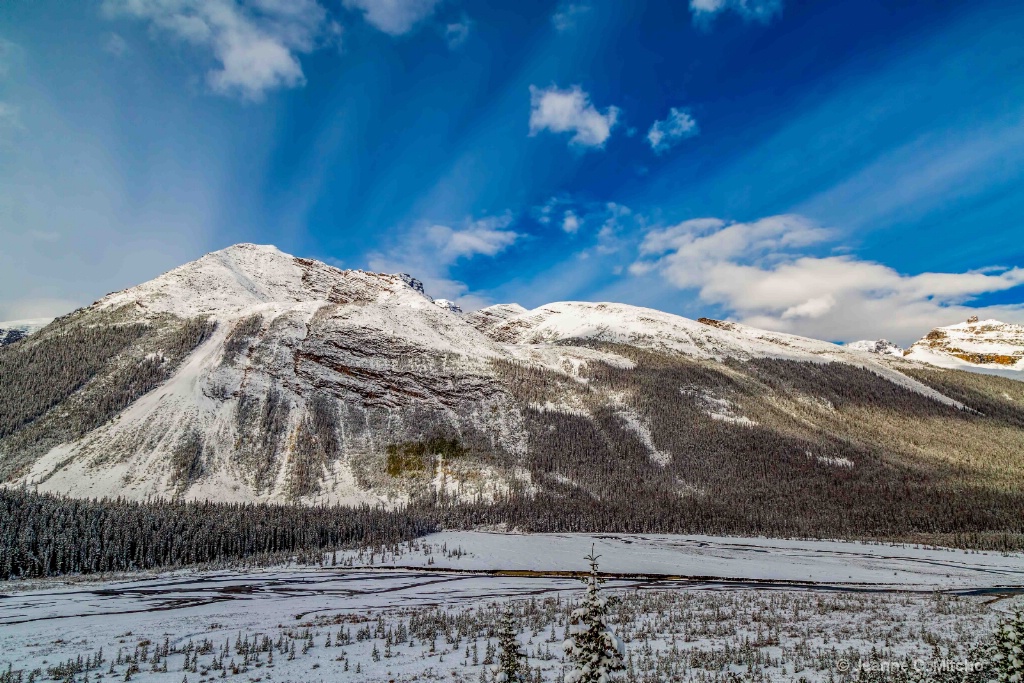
[[509, 668], [594, 650]]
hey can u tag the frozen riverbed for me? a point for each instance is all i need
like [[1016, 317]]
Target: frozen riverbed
[[731, 558], [843, 587]]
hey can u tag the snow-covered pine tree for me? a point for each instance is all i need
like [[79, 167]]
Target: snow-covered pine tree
[[509, 668], [1006, 654], [594, 650]]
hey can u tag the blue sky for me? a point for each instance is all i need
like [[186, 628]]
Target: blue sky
[[841, 169]]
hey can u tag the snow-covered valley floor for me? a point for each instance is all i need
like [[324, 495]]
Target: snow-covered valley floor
[[761, 609]]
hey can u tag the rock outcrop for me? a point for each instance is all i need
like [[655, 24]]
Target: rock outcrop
[[976, 343]]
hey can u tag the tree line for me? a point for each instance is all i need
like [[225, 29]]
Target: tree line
[[47, 535]]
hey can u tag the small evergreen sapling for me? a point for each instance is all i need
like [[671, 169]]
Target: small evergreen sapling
[[594, 650], [509, 668], [1006, 654]]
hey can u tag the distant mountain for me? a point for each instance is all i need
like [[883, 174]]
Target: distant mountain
[[880, 346], [253, 375], [16, 330], [987, 344]]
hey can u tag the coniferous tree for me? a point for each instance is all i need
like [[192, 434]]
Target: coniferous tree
[[1006, 654], [509, 668], [594, 650]]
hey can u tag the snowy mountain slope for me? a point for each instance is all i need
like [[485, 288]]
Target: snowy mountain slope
[[252, 375], [15, 330], [647, 328], [975, 344], [705, 338]]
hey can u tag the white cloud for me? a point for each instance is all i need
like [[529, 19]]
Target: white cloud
[[678, 125], [751, 10], [573, 216], [570, 222], [762, 273], [455, 34], [394, 17], [570, 111], [429, 252], [564, 18], [255, 42], [557, 206], [484, 237]]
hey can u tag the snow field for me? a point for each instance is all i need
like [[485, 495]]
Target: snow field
[[365, 620]]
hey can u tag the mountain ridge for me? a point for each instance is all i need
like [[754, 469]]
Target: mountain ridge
[[251, 375]]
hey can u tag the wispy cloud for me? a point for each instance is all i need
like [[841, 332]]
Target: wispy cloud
[[456, 33], [677, 126], [565, 17], [394, 17], [10, 53], [751, 10], [115, 45], [256, 43], [768, 274], [570, 111], [75, 224], [429, 251]]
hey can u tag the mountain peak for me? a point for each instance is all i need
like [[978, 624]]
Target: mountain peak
[[246, 276], [880, 346], [973, 344]]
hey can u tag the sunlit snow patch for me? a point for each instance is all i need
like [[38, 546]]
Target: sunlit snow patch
[[718, 408]]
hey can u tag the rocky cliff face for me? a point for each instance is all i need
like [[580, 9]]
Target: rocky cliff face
[[252, 375], [881, 346], [976, 343]]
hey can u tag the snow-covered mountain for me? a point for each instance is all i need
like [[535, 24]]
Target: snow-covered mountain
[[253, 375], [880, 346], [295, 364], [16, 330], [974, 344]]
